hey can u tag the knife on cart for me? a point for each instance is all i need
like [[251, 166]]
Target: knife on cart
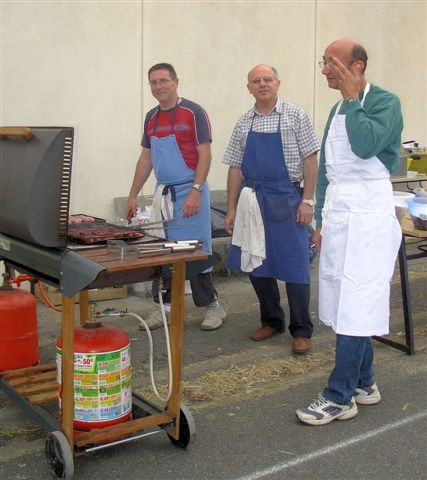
[[177, 246], [126, 251]]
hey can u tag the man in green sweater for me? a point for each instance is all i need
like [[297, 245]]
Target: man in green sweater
[[357, 232]]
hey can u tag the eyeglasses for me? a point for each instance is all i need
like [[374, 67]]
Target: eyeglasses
[[323, 64], [330, 65], [162, 82], [257, 81]]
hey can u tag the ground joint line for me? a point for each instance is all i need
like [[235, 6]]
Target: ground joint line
[[280, 467]]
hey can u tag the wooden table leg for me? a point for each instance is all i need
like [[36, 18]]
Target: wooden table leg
[[67, 371], [84, 306], [176, 340]]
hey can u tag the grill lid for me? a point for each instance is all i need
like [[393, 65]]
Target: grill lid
[[35, 180]]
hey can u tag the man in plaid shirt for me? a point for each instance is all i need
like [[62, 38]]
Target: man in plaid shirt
[[273, 148]]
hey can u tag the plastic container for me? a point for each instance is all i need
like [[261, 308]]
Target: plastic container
[[417, 207], [400, 204]]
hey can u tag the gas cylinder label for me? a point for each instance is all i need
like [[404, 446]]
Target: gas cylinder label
[[102, 384]]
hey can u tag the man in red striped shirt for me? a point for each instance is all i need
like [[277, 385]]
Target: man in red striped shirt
[[176, 145]]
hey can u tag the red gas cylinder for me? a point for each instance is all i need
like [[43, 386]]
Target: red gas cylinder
[[102, 376], [19, 342]]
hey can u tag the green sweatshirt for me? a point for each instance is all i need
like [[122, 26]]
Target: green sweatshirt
[[374, 129]]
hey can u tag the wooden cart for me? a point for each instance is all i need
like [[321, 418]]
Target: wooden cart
[[34, 386]]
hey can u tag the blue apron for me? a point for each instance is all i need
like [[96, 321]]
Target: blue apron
[[170, 169], [286, 243]]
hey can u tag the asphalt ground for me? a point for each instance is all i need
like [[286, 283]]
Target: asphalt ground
[[243, 395]]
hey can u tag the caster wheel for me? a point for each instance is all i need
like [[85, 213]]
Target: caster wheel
[[59, 455], [187, 428]]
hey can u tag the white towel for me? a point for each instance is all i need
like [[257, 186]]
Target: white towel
[[161, 209], [248, 232]]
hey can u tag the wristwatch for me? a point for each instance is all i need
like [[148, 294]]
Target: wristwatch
[[197, 186], [308, 202]]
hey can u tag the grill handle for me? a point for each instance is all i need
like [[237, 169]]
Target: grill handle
[[16, 132]]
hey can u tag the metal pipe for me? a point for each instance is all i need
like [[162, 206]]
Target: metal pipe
[[119, 442]]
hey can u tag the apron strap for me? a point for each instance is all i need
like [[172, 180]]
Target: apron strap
[[278, 123], [171, 189], [365, 92], [157, 114]]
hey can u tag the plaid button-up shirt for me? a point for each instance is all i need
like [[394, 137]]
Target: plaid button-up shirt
[[298, 136]]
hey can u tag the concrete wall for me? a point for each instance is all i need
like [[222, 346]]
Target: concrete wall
[[84, 64], [78, 64], [395, 36]]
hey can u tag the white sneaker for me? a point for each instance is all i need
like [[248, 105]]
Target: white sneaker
[[367, 395], [154, 320], [323, 411], [213, 316]]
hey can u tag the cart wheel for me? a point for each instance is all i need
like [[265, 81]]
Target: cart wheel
[[187, 428], [59, 455]]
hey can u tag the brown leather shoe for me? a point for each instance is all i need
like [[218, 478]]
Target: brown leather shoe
[[263, 333], [301, 345]]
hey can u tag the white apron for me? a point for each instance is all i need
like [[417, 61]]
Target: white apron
[[360, 239]]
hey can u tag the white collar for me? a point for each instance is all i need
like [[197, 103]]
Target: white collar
[[277, 107]]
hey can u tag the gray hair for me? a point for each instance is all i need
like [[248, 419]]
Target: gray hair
[[276, 73]]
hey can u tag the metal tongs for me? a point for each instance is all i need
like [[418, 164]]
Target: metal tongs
[[152, 225]]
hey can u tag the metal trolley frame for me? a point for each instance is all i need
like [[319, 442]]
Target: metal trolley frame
[[32, 387]]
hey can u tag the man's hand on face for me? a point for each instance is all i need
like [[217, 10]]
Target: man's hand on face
[[349, 83]]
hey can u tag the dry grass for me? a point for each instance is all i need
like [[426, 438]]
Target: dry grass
[[254, 380], [421, 331]]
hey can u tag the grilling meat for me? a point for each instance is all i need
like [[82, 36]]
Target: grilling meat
[[92, 232], [73, 219]]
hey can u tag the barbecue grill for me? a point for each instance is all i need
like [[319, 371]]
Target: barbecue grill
[[35, 180], [35, 177], [35, 235]]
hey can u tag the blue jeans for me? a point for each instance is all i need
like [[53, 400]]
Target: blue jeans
[[353, 368]]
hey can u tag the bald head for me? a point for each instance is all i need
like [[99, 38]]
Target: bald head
[[344, 45], [351, 55], [347, 50]]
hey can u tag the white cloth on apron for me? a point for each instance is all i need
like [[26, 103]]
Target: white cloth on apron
[[360, 239], [248, 231], [161, 209]]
